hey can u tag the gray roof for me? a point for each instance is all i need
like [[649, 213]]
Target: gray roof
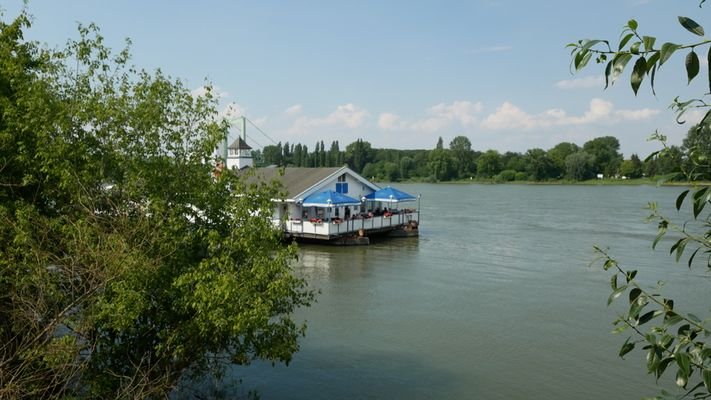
[[239, 144], [295, 180]]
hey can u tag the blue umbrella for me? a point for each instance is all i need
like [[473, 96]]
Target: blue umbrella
[[390, 195], [329, 198]]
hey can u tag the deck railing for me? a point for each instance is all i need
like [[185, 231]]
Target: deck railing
[[333, 228]]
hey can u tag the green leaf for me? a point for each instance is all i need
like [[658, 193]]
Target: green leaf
[[691, 258], [632, 24], [648, 42], [663, 366], [581, 59], [638, 72], [590, 43], [648, 316], [634, 294], [624, 40], [666, 52], [608, 74], [680, 199], [630, 275], [619, 63], [692, 65], [684, 363], [653, 60], [634, 49], [681, 378], [691, 26], [706, 376], [626, 347], [615, 294], [613, 282]]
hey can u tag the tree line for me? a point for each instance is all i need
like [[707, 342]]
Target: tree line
[[564, 161]]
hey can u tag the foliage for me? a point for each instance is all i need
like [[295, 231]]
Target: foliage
[[126, 265], [672, 339]]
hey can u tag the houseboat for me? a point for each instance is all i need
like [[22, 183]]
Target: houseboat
[[339, 206], [334, 205]]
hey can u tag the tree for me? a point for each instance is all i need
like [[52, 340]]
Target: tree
[[579, 166], [358, 154], [461, 149], [697, 148], [440, 144], [127, 261], [632, 168], [488, 164], [538, 166], [672, 339], [557, 155], [441, 165], [605, 151]]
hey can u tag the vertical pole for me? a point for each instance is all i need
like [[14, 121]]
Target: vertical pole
[[244, 128]]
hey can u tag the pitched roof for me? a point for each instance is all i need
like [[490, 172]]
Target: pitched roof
[[239, 144], [295, 180]]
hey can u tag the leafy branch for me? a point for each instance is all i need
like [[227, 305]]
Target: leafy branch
[[649, 59]]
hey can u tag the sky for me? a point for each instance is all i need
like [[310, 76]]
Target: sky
[[400, 74]]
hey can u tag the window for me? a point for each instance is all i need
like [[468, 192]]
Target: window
[[342, 187]]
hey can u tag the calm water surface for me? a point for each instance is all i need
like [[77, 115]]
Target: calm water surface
[[495, 300]]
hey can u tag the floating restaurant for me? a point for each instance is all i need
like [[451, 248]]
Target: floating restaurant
[[334, 205], [339, 206]]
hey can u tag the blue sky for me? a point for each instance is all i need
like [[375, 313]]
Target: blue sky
[[399, 74]]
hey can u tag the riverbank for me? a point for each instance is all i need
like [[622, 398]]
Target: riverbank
[[656, 181]]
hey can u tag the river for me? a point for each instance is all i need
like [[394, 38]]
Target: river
[[495, 300]]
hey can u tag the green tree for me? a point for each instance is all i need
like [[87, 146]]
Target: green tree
[[272, 154], [697, 148], [488, 164], [538, 166], [461, 149], [127, 262], [579, 166], [557, 155], [407, 165], [632, 168], [358, 154], [441, 165], [605, 151], [672, 339]]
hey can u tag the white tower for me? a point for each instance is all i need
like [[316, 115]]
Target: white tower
[[239, 154]]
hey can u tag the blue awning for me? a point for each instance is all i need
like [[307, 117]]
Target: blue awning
[[329, 198], [390, 195]]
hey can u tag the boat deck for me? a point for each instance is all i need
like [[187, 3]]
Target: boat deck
[[358, 226]]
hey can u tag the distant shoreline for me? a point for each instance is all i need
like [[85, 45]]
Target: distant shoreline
[[590, 182]]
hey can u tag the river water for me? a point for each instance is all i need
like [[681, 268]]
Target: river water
[[495, 300]]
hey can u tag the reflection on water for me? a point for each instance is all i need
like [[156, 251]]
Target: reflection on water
[[494, 300]]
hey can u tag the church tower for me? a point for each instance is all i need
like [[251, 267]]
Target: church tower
[[239, 153]]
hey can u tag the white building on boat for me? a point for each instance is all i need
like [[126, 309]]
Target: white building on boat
[[337, 204], [329, 204]]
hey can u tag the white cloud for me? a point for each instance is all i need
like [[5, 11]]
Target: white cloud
[[390, 122], [215, 90], [439, 117], [509, 116], [293, 110], [344, 116], [587, 82]]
